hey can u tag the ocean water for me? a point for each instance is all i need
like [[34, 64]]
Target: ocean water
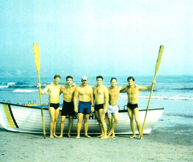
[[173, 93]]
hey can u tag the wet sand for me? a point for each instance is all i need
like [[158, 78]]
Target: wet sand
[[172, 143]]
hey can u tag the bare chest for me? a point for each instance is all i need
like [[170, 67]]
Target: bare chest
[[99, 91], [132, 91], [54, 89], [113, 92], [84, 91], [67, 91]]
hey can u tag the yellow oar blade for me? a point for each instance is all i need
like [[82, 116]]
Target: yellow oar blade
[[36, 56], [158, 60]]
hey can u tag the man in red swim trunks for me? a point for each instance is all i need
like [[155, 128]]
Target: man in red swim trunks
[[132, 106]]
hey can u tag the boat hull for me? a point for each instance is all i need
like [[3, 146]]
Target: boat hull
[[28, 119]]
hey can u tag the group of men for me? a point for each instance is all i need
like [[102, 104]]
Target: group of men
[[100, 99]]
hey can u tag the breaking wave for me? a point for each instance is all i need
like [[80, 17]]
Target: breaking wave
[[25, 90], [162, 97]]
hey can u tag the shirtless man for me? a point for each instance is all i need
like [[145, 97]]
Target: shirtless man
[[54, 92], [132, 106], [101, 101], [68, 105], [84, 93], [112, 108]]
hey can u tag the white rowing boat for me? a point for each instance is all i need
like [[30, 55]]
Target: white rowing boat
[[28, 119]]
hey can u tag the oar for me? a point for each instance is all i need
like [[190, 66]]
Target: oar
[[156, 70], [37, 62]]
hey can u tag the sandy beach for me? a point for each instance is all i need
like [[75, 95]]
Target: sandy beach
[[171, 143]]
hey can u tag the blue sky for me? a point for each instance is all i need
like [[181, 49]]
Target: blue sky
[[96, 37]]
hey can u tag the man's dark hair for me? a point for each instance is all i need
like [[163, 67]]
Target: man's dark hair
[[57, 76], [113, 78], [130, 78], [99, 77], [69, 77]]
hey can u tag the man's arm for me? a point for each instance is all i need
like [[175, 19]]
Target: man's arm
[[61, 89], [75, 99], [44, 90], [146, 88], [92, 100], [123, 89], [106, 95]]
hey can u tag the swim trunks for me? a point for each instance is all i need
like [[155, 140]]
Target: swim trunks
[[55, 105], [67, 108], [112, 109], [84, 107], [132, 106], [97, 107]]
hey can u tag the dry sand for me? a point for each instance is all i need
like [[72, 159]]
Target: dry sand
[[163, 144]]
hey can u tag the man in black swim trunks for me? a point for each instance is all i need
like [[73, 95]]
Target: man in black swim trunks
[[54, 92], [101, 98], [132, 106], [68, 105]]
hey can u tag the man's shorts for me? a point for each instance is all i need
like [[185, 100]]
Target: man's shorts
[[84, 107], [68, 108], [55, 105], [112, 110], [97, 107]]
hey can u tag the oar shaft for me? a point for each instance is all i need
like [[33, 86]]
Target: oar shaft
[[37, 63], [147, 109], [44, 132], [156, 70]]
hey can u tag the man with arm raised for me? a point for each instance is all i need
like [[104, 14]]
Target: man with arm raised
[[132, 106], [54, 92]]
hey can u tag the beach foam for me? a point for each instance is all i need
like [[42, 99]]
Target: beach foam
[[25, 90]]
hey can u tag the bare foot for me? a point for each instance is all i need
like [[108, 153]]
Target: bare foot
[[55, 135], [87, 136], [104, 137], [134, 136], [60, 136], [77, 137], [113, 136], [69, 135], [140, 137], [51, 136], [99, 136]]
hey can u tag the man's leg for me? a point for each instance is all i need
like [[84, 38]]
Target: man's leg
[[79, 124], [132, 124], [104, 125], [70, 125], [110, 124], [57, 111], [62, 125], [113, 125], [136, 113], [110, 120], [86, 118], [52, 119], [100, 124]]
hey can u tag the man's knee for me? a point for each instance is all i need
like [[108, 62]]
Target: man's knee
[[137, 121], [116, 120], [71, 118], [131, 119], [86, 119]]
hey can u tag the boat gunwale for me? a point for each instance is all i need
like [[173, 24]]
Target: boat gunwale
[[35, 107]]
